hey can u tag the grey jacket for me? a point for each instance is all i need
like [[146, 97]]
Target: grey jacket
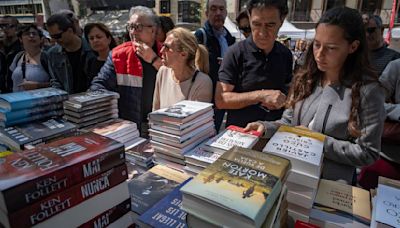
[[330, 109]]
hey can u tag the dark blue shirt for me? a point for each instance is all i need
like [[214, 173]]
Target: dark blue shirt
[[248, 68]]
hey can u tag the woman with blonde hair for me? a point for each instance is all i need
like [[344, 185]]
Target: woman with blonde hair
[[183, 75]]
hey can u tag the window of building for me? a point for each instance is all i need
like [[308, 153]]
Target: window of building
[[334, 3], [301, 10], [371, 6], [189, 12], [165, 6]]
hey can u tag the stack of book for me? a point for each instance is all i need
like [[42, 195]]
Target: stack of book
[[89, 108], [65, 183], [149, 188], [27, 106], [176, 130], [341, 205], [242, 188], [386, 204], [304, 149], [123, 131], [141, 154], [22, 136], [209, 151]]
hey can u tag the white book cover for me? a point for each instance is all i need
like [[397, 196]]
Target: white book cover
[[202, 156], [182, 109], [303, 147], [234, 136], [388, 205]]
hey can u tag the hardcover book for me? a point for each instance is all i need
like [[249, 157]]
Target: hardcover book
[[114, 128], [196, 140], [30, 175], [79, 109], [230, 137], [83, 114], [200, 157], [181, 112], [87, 98], [37, 117], [96, 121], [95, 116], [141, 153], [149, 188], [237, 190], [167, 212], [59, 202], [31, 98], [26, 113], [18, 137], [303, 147]]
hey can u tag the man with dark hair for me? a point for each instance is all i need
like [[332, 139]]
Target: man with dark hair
[[8, 25], [255, 73], [217, 39], [75, 20], [380, 55], [243, 23], [68, 59], [132, 67]]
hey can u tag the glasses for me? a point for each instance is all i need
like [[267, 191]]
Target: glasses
[[246, 29], [167, 47], [34, 34], [7, 26], [137, 27], [370, 30], [57, 36]]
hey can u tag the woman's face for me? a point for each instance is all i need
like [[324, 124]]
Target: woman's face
[[170, 54], [31, 38], [98, 40], [330, 48]]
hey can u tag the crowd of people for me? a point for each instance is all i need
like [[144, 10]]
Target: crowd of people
[[344, 83]]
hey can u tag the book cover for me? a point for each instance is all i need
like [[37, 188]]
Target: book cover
[[233, 136], [109, 216], [30, 175], [90, 112], [343, 201], [242, 181], [31, 98], [387, 209], [17, 137], [167, 212], [96, 121], [181, 112], [7, 116], [142, 152], [91, 117], [37, 117], [303, 147], [147, 189], [79, 109], [200, 157], [197, 139], [59, 202], [91, 97]]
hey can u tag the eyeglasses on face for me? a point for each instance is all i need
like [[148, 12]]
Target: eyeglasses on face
[[371, 30], [29, 33], [246, 29], [7, 26], [57, 36], [137, 27]]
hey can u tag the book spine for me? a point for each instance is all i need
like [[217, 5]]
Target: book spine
[[34, 117], [38, 102], [107, 217], [34, 190], [64, 200]]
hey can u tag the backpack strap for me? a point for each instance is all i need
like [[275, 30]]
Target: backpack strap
[[203, 31]]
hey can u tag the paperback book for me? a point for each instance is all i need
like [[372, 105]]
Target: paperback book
[[80, 100], [7, 116]]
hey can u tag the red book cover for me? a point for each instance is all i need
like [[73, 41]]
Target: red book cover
[[301, 224], [31, 175], [109, 216], [59, 202]]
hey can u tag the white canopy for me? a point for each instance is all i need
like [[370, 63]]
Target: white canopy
[[291, 31]]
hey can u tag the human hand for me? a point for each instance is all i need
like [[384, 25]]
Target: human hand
[[144, 51], [255, 126], [272, 99], [30, 85]]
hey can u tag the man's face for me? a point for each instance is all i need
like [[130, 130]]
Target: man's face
[[8, 27], [265, 24], [141, 29], [374, 35], [216, 13], [63, 38]]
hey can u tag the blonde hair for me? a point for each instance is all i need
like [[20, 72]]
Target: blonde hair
[[187, 42]]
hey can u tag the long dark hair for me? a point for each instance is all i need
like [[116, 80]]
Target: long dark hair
[[356, 70], [103, 28]]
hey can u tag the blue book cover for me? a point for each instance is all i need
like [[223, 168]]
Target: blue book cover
[[32, 118], [8, 116], [31, 98], [167, 212]]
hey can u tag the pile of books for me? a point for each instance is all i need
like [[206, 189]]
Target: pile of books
[[123, 131], [304, 149], [89, 108], [26, 135], [242, 188], [209, 151], [386, 204], [27, 106], [66, 183], [178, 129], [141, 154]]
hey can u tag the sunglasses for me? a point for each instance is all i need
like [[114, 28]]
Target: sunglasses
[[137, 27], [371, 29], [33, 34], [245, 29], [167, 47], [57, 36]]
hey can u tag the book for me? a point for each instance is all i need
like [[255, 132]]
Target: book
[[167, 212], [142, 152], [80, 100], [109, 216], [197, 139], [96, 121], [387, 211], [114, 128], [94, 116], [237, 190], [301, 224], [30, 175], [86, 113], [232, 136], [59, 202], [6, 115], [18, 137], [341, 204], [31, 98], [304, 179], [79, 109], [173, 150], [181, 112], [303, 147], [200, 157], [30, 119], [150, 187]]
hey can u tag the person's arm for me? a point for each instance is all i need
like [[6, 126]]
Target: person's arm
[[156, 95], [365, 149], [390, 79], [106, 78]]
